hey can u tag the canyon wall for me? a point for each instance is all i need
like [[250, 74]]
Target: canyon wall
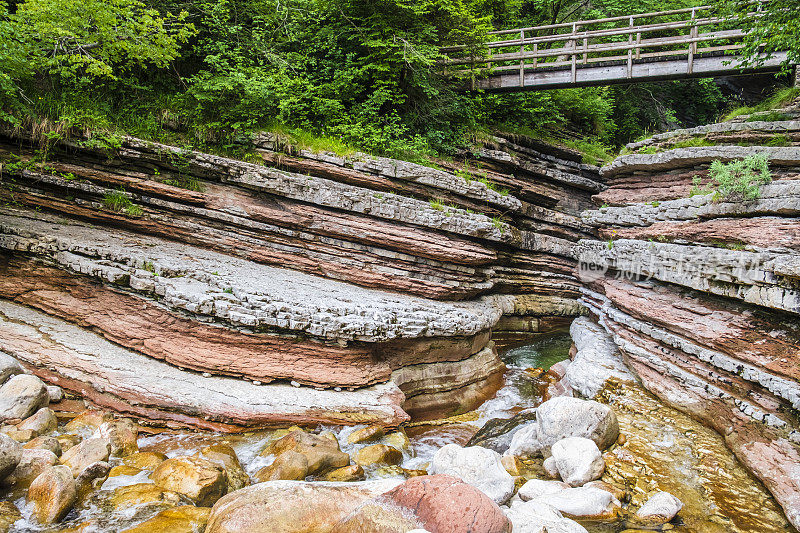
[[702, 293], [293, 287]]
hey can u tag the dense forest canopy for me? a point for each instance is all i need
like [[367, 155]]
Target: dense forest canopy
[[361, 72]]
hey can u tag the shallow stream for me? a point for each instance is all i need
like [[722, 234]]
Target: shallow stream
[[664, 450]]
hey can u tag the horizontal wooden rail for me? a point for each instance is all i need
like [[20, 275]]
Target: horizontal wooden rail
[[614, 49]]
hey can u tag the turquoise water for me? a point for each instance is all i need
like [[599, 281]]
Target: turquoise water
[[542, 352]]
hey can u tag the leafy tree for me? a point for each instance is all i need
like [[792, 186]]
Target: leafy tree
[[772, 26]]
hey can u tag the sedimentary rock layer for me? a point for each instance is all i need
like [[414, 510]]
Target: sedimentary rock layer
[[701, 293], [116, 378]]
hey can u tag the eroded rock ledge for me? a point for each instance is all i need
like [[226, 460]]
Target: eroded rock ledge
[[353, 273], [702, 295]]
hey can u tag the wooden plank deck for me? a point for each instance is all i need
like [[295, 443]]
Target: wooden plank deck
[[666, 45]]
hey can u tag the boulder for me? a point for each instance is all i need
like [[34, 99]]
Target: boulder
[[536, 488], [367, 434], [8, 367], [10, 455], [379, 454], [346, 473], [20, 435], [550, 468], [32, 463], [538, 517], [43, 421], [91, 477], [52, 494], [397, 439], [201, 480], [445, 504], [55, 393], [477, 466], [289, 465], [143, 494], [122, 434], [226, 457], [21, 396], [497, 433], [85, 454], [87, 422], [377, 517], [181, 519], [562, 417], [660, 508], [322, 452], [578, 460], [67, 441], [583, 502], [291, 506], [44, 443], [144, 460]]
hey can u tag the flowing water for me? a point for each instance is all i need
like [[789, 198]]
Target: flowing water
[[665, 450]]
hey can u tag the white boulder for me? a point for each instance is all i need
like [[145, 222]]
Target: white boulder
[[585, 502], [660, 508], [562, 417], [536, 488], [538, 517], [578, 460], [477, 466]]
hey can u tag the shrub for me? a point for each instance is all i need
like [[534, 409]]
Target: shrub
[[736, 180]]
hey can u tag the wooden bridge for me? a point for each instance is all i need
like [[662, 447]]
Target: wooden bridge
[[667, 45]]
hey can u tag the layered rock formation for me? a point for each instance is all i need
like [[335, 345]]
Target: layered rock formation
[[197, 289], [702, 293]]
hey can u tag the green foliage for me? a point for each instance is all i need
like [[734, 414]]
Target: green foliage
[[118, 201], [774, 26], [764, 110], [736, 180]]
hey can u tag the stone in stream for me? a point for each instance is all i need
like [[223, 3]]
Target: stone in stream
[[44, 443], [496, 434], [144, 460], [291, 506], [181, 519], [10, 455], [87, 422], [346, 473], [375, 516], [660, 508], [446, 504], [535, 488], [289, 465], [32, 463], [53, 494], [563, 417], [42, 422], [8, 367], [143, 494], [202, 481], [55, 393], [538, 517], [582, 502], [122, 434], [21, 396], [85, 454], [367, 434], [578, 460], [322, 452], [226, 457], [477, 466], [379, 454]]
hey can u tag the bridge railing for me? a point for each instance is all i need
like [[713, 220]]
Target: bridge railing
[[688, 32]]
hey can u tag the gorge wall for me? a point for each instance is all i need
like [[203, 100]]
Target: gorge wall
[[702, 294], [300, 287]]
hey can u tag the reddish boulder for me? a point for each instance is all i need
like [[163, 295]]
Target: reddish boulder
[[445, 504]]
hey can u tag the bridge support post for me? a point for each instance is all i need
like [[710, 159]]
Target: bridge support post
[[797, 76]]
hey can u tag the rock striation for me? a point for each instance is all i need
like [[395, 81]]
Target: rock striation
[[701, 293], [293, 287]]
